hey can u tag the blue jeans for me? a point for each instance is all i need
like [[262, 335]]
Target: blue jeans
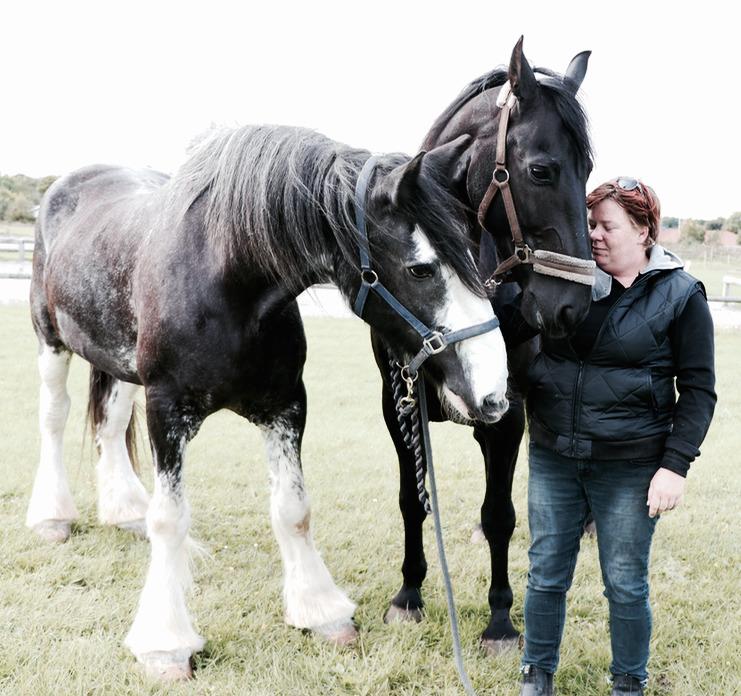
[[561, 492]]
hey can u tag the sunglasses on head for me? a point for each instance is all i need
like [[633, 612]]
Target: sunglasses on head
[[628, 183]]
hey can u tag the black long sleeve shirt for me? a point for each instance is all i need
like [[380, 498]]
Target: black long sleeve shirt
[[693, 352]]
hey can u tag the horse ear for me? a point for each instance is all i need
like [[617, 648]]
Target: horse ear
[[576, 71], [400, 183], [521, 75], [449, 162]]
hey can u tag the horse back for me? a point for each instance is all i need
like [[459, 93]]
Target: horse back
[[91, 228]]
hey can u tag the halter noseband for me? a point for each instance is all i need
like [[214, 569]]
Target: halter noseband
[[549, 263], [433, 342]]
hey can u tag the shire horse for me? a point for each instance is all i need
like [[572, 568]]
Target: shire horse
[[548, 159], [187, 286]]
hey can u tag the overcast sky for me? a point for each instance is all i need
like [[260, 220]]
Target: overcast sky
[[133, 82]]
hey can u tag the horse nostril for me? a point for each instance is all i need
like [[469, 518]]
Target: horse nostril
[[568, 316], [494, 404]]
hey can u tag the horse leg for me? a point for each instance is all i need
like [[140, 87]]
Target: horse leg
[[311, 598], [499, 444], [51, 509], [122, 499], [407, 604], [162, 637]]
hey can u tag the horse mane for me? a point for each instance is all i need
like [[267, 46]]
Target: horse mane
[[281, 199], [567, 105]]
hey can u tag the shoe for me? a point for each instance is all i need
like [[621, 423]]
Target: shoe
[[625, 685], [536, 682]]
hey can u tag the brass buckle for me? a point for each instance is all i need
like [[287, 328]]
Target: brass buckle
[[408, 401]]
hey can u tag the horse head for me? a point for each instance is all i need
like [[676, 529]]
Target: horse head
[[421, 254], [545, 154]]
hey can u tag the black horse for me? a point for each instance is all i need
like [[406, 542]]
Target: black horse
[[548, 159], [187, 287]]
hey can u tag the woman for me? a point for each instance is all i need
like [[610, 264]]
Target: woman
[[606, 434]]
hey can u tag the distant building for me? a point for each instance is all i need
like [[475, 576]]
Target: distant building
[[669, 236]]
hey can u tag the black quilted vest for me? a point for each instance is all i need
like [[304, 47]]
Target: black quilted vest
[[618, 402]]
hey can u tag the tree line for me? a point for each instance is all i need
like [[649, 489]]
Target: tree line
[[20, 196], [703, 230]]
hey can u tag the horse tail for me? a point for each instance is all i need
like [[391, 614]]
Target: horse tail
[[101, 387]]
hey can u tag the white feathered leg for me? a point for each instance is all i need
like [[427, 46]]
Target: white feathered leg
[[122, 499], [162, 636], [312, 600], [51, 508]]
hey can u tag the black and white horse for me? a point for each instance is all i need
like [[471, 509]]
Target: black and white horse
[[187, 286], [548, 160]]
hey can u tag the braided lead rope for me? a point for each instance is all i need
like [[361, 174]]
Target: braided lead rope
[[419, 463], [401, 415], [406, 417]]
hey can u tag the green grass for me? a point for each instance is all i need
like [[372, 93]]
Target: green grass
[[16, 229], [711, 272], [64, 610]]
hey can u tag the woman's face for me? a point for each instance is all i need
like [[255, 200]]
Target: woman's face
[[618, 244]]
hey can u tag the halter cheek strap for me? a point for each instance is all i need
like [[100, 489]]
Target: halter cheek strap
[[433, 342], [550, 263]]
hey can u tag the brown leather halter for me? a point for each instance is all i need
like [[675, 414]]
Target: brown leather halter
[[550, 263]]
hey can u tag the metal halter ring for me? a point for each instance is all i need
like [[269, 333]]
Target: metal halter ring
[[406, 376], [434, 343], [369, 276], [523, 252], [501, 170]]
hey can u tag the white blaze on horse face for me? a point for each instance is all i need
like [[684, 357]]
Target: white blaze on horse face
[[311, 598], [483, 358]]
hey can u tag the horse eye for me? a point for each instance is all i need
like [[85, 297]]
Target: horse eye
[[540, 173], [421, 270]]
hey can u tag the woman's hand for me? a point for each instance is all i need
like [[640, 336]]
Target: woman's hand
[[665, 492]]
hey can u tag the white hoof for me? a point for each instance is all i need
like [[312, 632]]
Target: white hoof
[[137, 527], [398, 615], [55, 531], [167, 666], [341, 633], [477, 536], [495, 648]]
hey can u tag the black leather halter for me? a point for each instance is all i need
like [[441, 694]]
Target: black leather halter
[[550, 263], [433, 342]]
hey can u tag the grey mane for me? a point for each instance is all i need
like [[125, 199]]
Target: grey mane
[[282, 199]]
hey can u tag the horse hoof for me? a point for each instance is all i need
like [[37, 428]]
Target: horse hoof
[[341, 633], [54, 531], [499, 646], [136, 527], [477, 536], [167, 666], [399, 615]]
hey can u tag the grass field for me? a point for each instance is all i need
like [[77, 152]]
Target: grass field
[[64, 610]]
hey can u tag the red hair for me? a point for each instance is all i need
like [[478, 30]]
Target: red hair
[[641, 204]]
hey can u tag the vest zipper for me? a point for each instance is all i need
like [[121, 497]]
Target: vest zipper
[[654, 400], [575, 411], [582, 364]]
